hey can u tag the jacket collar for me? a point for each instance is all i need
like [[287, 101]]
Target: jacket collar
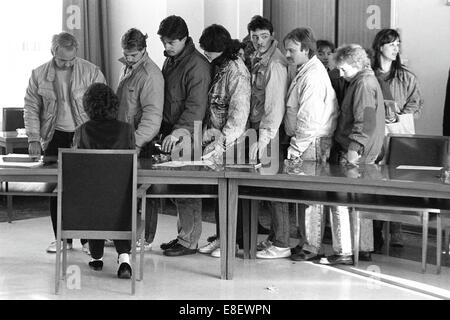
[[361, 74], [135, 66], [188, 49], [265, 57], [51, 71]]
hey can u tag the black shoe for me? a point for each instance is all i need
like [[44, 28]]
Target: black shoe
[[364, 256], [179, 250], [296, 250], [336, 259], [97, 265], [124, 271], [306, 256], [169, 245]]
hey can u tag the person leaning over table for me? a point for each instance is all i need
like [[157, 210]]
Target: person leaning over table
[[402, 96], [358, 139], [310, 121], [228, 103], [187, 76], [141, 101], [104, 131], [53, 105]]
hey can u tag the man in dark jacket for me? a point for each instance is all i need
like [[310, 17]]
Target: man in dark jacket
[[187, 76]]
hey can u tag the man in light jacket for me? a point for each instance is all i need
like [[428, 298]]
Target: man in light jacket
[[53, 104], [310, 121], [141, 102]]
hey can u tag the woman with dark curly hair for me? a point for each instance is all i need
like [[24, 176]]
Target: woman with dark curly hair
[[104, 131], [228, 101]]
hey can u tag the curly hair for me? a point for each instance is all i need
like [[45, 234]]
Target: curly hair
[[173, 27], [353, 54], [100, 102], [216, 38]]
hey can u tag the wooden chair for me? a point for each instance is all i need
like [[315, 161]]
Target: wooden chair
[[417, 150], [97, 199]]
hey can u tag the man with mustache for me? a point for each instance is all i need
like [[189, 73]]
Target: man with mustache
[[54, 104], [310, 121]]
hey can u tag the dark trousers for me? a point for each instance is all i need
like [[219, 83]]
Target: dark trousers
[[96, 247], [60, 139], [151, 218]]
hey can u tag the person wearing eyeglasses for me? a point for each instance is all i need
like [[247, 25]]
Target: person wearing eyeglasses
[[53, 105]]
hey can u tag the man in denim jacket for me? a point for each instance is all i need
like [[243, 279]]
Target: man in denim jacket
[[53, 103]]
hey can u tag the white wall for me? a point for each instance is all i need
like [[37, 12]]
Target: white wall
[[425, 31], [141, 14], [146, 16]]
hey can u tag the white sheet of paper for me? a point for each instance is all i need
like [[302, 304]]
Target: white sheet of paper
[[171, 164], [20, 164], [418, 167]]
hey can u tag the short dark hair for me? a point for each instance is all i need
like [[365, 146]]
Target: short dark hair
[[100, 102], [325, 43], [173, 27], [260, 23], [134, 38], [216, 38], [305, 37]]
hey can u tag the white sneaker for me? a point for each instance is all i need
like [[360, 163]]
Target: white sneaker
[[263, 245], [210, 247], [216, 252], [52, 247], [274, 252], [85, 249], [147, 246]]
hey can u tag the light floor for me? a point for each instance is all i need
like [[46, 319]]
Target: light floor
[[27, 272]]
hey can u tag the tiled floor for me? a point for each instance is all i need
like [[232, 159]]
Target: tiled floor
[[27, 272]]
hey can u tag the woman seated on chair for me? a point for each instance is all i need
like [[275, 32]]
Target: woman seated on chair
[[104, 131]]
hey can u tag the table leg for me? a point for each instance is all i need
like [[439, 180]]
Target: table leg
[[246, 226], [254, 208], [223, 195], [9, 148], [231, 226]]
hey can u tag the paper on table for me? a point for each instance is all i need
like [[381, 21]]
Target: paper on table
[[20, 164], [418, 167], [171, 164]]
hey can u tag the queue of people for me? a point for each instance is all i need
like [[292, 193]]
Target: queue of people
[[322, 104]]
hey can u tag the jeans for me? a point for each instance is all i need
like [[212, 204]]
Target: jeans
[[280, 224], [189, 222]]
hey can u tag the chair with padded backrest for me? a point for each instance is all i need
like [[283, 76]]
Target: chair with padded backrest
[[97, 199], [413, 150], [12, 119]]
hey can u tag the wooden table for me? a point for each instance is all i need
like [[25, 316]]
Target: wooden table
[[11, 140], [343, 183], [372, 180], [187, 175]]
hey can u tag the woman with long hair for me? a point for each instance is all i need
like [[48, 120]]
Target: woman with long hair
[[402, 96]]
